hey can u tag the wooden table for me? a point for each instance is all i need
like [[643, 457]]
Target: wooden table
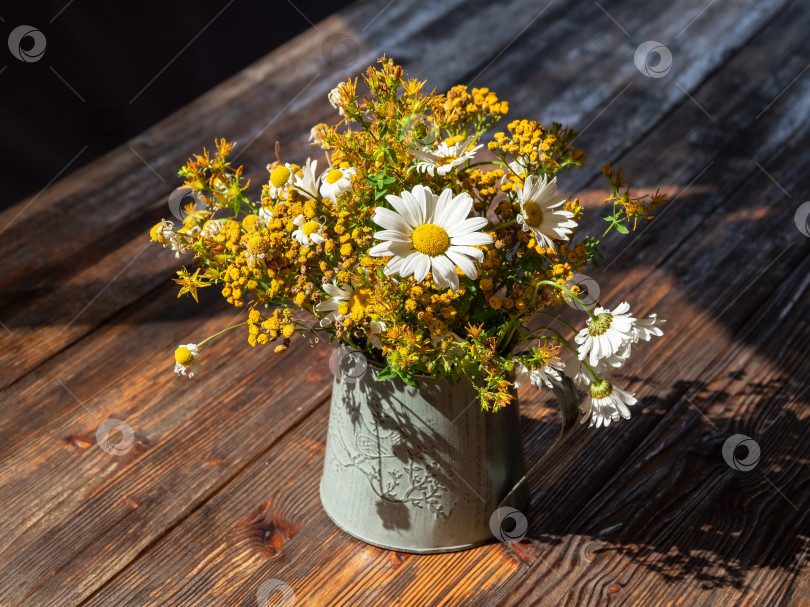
[[219, 493]]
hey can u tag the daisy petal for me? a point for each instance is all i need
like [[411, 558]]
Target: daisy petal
[[463, 262]]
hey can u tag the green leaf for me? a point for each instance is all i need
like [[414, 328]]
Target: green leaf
[[408, 379], [621, 229], [387, 373]]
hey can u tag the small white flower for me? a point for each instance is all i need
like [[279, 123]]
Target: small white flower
[[336, 182], [176, 241], [606, 403], [538, 377], [186, 361], [357, 301], [256, 248], [518, 167], [281, 178], [444, 158], [337, 296], [539, 215], [211, 228], [308, 183], [265, 215], [430, 233], [162, 232], [308, 232], [606, 335], [316, 134], [576, 370], [645, 328], [377, 328], [334, 98]]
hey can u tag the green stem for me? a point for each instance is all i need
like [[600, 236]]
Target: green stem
[[505, 224], [567, 290], [313, 197], [486, 162], [221, 332]]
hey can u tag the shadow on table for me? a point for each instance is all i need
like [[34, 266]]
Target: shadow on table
[[681, 510]]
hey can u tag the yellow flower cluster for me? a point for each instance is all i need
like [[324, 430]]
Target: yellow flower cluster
[[537, 148], [464, 107], [264, 330]]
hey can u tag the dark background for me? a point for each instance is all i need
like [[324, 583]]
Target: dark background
[[100, 55]]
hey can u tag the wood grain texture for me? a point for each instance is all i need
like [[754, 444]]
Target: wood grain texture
[[219, 492]]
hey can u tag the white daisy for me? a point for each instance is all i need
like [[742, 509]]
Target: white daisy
[[336, 182], [335, 98], [256, 248], [265, 215], [606, 403], [377, 328], [186, 361], [575, 369], [211, 228], [578, 372], [645, 328], [317, 134], [518, 167], [356, 299], [430, 233], [538, 377], [444, 158], [308, 183], [606, 334], [163, 234], [281, 178], [308, 232], [538, 200]]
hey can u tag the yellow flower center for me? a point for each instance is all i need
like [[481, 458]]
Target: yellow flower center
[[250, 222], [359, 300], [430, 239], [257, 245], [600, 324], [310, 227], [279, 176], [333, 175], [532, 214], [601, 389], [184, 356], [446, 160]]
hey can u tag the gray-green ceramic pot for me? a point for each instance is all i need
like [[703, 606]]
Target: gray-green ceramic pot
[[419, 469]]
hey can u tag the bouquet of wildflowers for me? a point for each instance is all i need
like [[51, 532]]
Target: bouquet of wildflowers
[[427, 242]]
